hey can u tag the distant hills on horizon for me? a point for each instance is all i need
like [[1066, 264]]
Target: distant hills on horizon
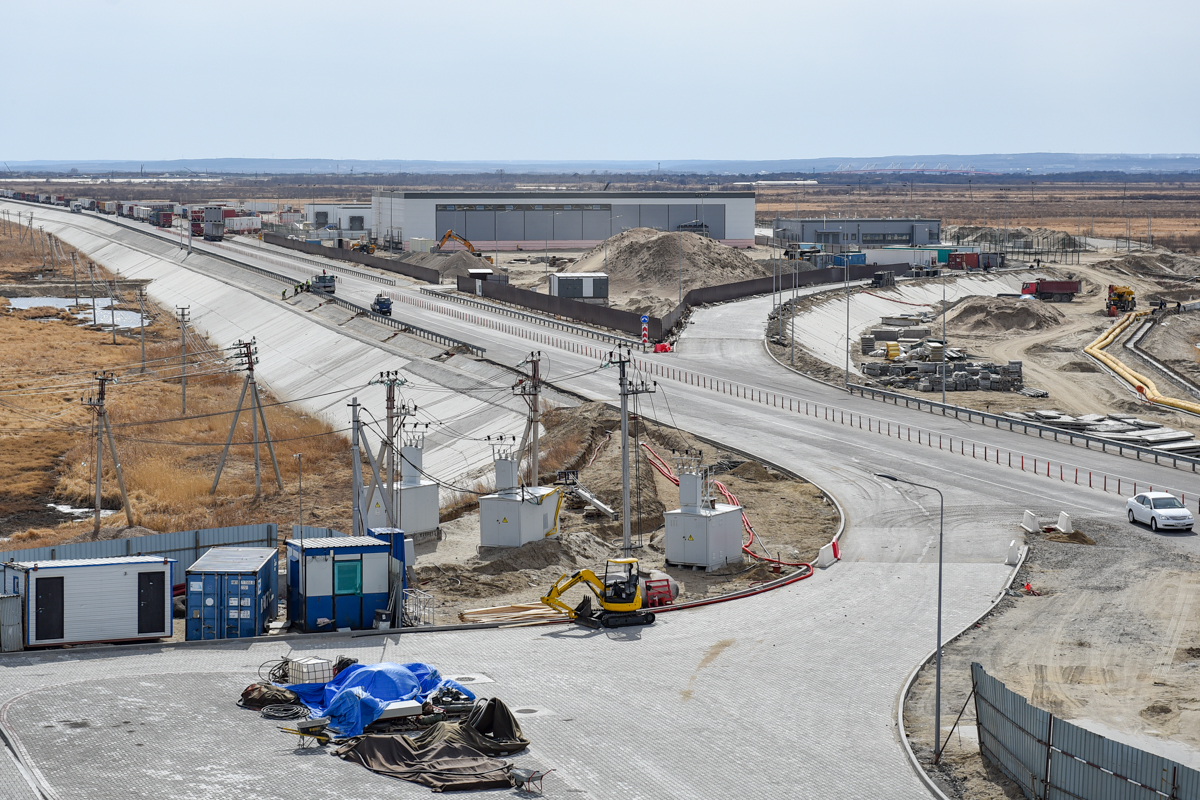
[[1005, 163]]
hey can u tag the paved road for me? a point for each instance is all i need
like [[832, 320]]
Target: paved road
[[822, 661]]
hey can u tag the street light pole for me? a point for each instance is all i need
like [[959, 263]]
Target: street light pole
[[945, 355], [846, 274], [937, 692]]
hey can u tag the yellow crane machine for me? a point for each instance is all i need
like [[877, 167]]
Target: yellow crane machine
[[1120, 299], [619, 595]]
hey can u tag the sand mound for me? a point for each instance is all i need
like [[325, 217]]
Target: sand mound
[[978, 234], [1000, 314], [567, 550], [1074, 537], [753, 471], [649, 261], [1153, 263]]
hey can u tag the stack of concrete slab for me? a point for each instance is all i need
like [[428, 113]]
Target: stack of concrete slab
[[1123, 428]]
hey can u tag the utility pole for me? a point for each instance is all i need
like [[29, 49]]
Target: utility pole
[[300, 466], [390, 380], [627, 390], [183, 321], [92, 281], [247, 357], [75, 278], [142, 317], [529, 390], [96, 404]]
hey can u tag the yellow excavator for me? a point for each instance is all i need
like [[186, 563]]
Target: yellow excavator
[[465, 243], [619, 595]]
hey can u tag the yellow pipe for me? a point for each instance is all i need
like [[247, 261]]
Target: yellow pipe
[[1143, 385]]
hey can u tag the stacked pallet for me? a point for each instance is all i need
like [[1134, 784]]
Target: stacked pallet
[[520, 612]]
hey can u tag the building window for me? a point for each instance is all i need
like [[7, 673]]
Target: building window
[[356, 223], [347, 577], [887, 238], [321, 217], [853, 236]]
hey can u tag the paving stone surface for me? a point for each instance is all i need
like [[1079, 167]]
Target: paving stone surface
[[787, 694]]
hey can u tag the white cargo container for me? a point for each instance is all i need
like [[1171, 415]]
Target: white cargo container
[[109, 207], [243, 224], [75, 601], [883, 256]]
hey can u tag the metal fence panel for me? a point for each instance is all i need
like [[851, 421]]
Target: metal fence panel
[[1071, 779], [1187, 783], [1069, 762], [184, 546], [10, 623], [1081, 748], [1013, 735]]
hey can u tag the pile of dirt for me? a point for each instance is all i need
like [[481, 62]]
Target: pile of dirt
[[1074, 537], [1003, 314], [568, 551], [1045, 238], [1154, 263], [651, 261], [450, 266], [754, 471]]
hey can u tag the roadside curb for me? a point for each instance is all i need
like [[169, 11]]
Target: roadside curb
[[906, 689]]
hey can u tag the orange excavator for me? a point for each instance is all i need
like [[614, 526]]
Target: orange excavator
[[465, 243]]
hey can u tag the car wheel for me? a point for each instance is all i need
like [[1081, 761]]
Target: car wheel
[[1129, 513], [1154, 524]]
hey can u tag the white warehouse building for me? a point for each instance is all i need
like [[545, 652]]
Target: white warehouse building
[[558, 220]]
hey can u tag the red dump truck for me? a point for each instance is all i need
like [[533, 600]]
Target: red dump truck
[[1051, 291]]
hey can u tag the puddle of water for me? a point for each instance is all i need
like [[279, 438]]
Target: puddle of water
[[104, 317], [1176, 751], [79, 512]]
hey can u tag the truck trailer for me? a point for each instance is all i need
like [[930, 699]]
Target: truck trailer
[[1051, 291]]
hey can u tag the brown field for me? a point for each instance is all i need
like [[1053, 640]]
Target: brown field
[[47, 445], [1097, 209]]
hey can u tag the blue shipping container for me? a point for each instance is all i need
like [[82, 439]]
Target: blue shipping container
[[337, 582], [232, 593], [842, 259]]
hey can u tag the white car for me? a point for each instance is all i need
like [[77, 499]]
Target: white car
[[1161, 511]]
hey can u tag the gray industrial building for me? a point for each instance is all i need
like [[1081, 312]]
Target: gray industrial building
[[559, 220], [863, 233]]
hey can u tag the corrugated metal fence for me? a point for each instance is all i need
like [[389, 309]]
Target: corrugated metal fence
[[184, 546], [1051, 759], [10, 623]]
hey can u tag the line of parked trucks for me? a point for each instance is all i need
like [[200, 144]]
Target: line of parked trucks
[[209, 221]]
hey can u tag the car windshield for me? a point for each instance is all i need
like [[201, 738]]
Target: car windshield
[[1166, 502]]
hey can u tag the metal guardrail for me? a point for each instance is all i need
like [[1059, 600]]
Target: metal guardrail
[[404, 327], [550, 323], [280, 258], [983, 417]]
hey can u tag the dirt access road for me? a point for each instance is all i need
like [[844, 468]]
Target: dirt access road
[[1112, 644]]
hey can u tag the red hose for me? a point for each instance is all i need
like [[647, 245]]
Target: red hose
[[657, 462]]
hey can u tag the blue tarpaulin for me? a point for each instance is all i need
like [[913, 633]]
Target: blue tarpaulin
[[357, 696]]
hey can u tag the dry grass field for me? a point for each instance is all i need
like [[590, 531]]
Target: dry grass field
[[47, 443]]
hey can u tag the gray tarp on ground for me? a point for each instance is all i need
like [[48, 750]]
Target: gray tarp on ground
[[449, 756], [443, 766]]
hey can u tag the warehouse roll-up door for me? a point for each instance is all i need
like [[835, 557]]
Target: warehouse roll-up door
[[152, 601], [48, 619]]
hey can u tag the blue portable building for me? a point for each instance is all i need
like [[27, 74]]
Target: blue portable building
[[403, 553], [337, 582], [232, 592]]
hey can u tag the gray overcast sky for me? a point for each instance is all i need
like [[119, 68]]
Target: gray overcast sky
[[649, 79]]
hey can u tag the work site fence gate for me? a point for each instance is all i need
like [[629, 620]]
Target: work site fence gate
[[1051, 759], [184, 546]]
